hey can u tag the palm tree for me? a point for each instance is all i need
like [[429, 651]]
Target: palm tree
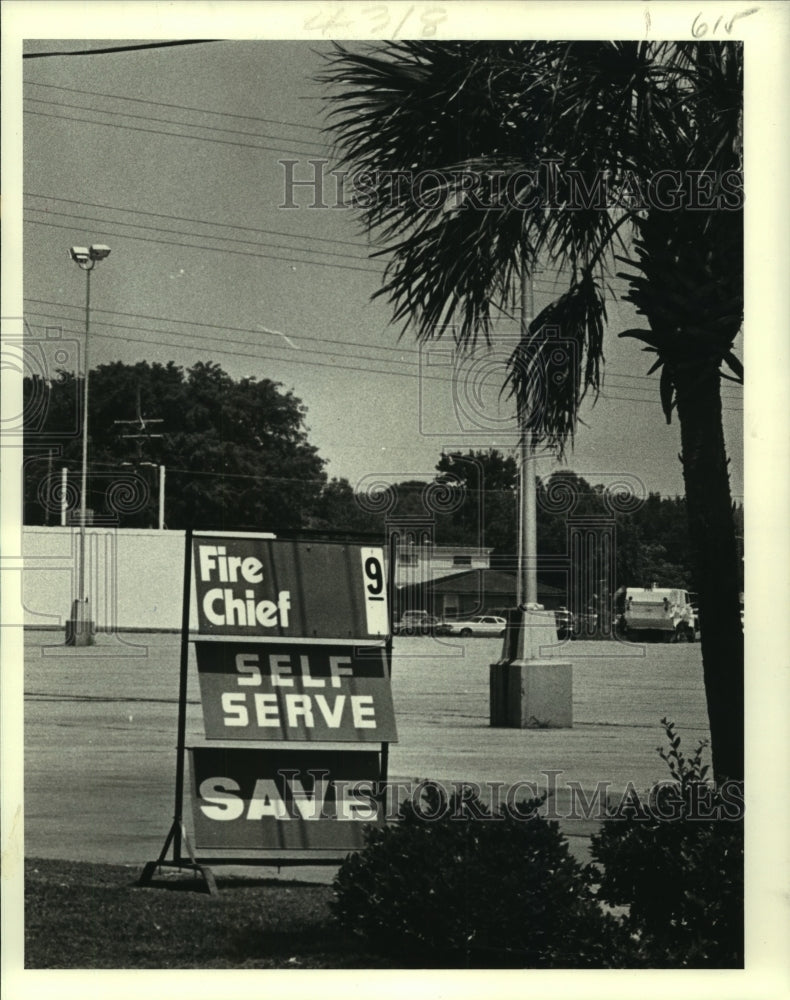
[[481, 160]]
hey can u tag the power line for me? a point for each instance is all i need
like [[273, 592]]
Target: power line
[[654, 383], [164, 121], [201, 222], [119, 48], [222, 352], [199, 246], [552, 286], [238, 253], [173, 135], [736, 387], [180, 107], [326, 481], [177, 232], [380, 251], [225, 250], [294, 359], [545, 285], [207, 472], [190, 337], [321, 341], [212, 326]]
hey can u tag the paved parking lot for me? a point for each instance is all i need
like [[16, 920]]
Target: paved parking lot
[[100, 731]]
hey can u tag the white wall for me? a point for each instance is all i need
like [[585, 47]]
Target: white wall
[[135, 577], [436, 562]]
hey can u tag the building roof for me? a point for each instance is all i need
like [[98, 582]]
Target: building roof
[[475, 550], [488, 581]]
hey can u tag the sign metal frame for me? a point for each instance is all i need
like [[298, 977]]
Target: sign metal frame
[[177, 840]]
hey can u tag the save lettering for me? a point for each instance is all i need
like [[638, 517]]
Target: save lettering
[[222, 799]]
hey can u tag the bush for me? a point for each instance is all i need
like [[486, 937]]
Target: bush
[[676, 861], [472, 888]]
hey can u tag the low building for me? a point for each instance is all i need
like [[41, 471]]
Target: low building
[[417, 564], [472, 592]]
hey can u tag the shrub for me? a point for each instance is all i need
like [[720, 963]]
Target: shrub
[[474, 888], [676, 861]]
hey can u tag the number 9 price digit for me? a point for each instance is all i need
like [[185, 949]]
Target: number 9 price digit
[[374, 575]]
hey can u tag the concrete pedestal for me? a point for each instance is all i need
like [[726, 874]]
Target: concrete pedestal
[[531, 694], [529, 688], [80, 630]]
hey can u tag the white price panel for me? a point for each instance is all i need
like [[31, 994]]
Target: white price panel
[[374, 583]]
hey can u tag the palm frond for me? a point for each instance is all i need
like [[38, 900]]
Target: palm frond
[[472, 120], [557, 362]]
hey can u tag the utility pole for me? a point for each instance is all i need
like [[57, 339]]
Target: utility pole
[[64, 501], [48, 503], [141, 424]]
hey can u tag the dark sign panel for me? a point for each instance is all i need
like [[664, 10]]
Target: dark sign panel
[[289, 691], [270, 587], [273, 799]]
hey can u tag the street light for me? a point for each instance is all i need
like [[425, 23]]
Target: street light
[[79, 628]]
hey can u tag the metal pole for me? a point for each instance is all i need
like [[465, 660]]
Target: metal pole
[[161, 497], [530, 511], [48, 504], [182, 698], [64, 504], [521, 588], [528, 537], [79, 628], [81, 611]]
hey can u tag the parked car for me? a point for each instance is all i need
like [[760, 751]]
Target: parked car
[[415, 623], [563, 621], [585, 624], [574, 626], [476, 625]]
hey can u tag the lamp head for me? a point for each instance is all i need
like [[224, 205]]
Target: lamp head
[[80, 255], [99, 252]]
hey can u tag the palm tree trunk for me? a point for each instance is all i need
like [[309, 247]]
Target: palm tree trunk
[[712, 533]]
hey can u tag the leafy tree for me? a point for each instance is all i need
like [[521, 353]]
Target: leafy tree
[[648, 135], [339, 508], [236, 452], [663, 553], [486, 484]]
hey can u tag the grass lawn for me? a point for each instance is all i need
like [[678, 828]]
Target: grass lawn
[[94, 916]]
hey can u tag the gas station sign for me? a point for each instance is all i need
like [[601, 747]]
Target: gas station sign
[[292, 691], [293, 648]]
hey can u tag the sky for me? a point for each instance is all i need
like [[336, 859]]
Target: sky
[[171, 157]]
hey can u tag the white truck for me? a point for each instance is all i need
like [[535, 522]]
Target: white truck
[[663, 613]]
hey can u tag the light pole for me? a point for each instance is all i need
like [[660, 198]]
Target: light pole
[[527, 584], [529, 687], [79, 628]]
